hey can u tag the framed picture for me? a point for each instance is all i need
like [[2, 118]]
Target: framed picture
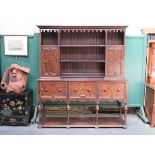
[[15, 45]]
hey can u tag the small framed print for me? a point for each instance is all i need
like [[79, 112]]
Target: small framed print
[[15, 45]]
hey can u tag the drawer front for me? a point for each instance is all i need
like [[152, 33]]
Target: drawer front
[[80, 91], [53, 91], [112, 90]]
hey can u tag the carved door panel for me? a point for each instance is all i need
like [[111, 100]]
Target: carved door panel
[[114, 61], [50, 61], [83, 91], [112, 90], [53, 91]]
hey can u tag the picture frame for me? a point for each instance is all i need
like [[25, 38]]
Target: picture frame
[[15, 45]]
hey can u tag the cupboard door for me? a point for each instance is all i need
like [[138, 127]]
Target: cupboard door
[[114, 61], [50, 61], [53, 91]]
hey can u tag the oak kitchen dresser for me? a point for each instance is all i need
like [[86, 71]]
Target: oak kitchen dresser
[[82, 67]]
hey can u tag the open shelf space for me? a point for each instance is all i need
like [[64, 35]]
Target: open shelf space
[[82, 53], [49, 38], [53, 122], [82, 61], [115, 38], [85, 69], [82, 116], [111, 122], [53, 115], [82, 122], [82, 38]]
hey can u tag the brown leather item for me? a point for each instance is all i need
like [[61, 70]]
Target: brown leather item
[[14, 79]]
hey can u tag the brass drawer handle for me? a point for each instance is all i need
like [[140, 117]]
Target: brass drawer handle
[[97, 107], [75, 90], [89, 90], [51, 73], [82, 95], [46, 74], [118, 90], [46, 90], [59, 90]]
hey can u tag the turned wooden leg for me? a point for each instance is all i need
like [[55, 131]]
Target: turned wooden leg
[[125, 114], [152, 125], [152, 121], [68, 109], [120, 108], [97, 109], [39, 114]]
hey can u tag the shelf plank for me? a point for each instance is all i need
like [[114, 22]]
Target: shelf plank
[[82, 74], [53, 122], [82, 61], [82, 122], [82, 45], [111, 122]]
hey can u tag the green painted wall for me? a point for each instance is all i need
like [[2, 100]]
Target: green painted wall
[[134, 66]]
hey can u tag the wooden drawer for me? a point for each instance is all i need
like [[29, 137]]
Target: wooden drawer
[[83, 91], [53, 91], [112, 90]]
